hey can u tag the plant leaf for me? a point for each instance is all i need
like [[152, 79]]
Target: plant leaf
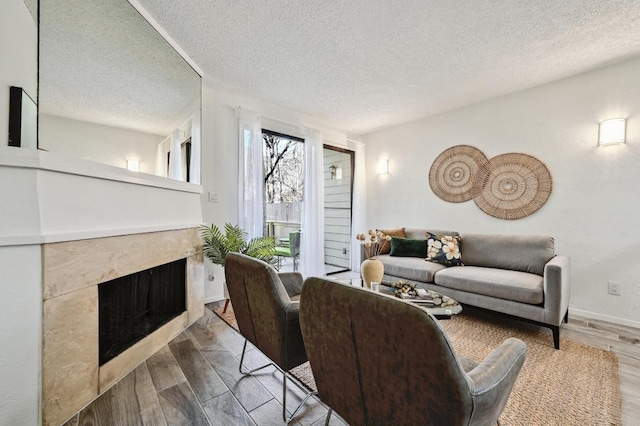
[[216, 245]]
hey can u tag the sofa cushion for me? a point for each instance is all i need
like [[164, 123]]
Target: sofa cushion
[[408, 247], [444, 249], [500, 283], [410, 268], [398, 232], [421, 233], [525, 253]]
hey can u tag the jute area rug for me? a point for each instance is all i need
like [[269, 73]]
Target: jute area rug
[[576, 385]]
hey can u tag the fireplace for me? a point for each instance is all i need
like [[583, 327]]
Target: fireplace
[[134, 306], [150, 285]]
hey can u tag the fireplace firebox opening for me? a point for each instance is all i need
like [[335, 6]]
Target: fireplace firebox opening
[[134, 306]]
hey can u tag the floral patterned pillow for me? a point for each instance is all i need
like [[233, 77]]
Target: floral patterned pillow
[[444, 249]]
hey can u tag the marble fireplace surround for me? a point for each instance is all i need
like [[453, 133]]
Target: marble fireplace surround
[[72, 270]]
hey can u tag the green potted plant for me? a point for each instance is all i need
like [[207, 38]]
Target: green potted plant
[[217, 244]]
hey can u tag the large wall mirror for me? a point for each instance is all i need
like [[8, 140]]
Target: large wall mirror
[[112, 90]]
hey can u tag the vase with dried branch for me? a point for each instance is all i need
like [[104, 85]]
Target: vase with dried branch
[[372, 269]]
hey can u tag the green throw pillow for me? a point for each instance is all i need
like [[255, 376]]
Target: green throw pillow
[[444, 249], [406, 247]]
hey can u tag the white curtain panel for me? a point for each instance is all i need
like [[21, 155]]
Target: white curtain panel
[[312, 237], [161, 156], [196, 149], [250, 174], [359, 204], [175, 159]]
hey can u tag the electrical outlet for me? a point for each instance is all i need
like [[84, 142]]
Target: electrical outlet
[[213, 197], [614, 288]]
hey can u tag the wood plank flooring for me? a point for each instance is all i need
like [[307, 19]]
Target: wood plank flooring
[[194, 380], [625, 343]]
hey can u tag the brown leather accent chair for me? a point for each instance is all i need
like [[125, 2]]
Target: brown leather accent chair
[[266, 307], [380, 360]]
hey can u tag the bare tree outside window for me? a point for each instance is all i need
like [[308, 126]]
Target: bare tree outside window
[[283, 169], [283, 159]]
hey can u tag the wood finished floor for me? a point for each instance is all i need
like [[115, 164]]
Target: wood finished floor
[[194, 380]]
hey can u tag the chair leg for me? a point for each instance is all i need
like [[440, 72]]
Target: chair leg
[[226, 305], [326, 423], [244, 348], [284, 386], [284, 399]]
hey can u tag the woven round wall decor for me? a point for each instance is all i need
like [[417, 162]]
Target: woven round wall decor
[[512, 186], [452, 173]]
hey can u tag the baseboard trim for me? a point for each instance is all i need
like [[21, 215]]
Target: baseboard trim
[[213, 299], [607, 318]]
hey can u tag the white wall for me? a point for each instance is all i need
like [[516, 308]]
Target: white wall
[[95, 142], [20, 335], [20, 312], [18, 64], [220, 155], [593, 210]]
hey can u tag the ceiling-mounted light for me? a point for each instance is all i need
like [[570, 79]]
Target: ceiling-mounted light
[[612, 131]]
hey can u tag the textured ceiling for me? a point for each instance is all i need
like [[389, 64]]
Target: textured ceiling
[[32, 5], [364, 65], [101, 62]]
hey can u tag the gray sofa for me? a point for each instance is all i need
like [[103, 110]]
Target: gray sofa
[[517, 275]]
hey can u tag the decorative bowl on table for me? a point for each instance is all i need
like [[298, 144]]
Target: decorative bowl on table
[[408, 291]]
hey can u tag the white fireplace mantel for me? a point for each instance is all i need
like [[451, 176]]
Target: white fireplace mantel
[[60, 198]]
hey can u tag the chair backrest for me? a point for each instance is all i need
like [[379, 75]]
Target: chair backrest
[[294, 243], [379, 360], [260, 302]]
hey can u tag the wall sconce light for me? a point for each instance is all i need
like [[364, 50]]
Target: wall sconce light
[[133, 165], [383, 166], [612, 131], [335, 172]]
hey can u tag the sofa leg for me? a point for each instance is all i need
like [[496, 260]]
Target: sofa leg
[[556, 336], [566, 317]]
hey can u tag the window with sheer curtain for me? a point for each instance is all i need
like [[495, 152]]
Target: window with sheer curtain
[[283, 159], [256, 185]]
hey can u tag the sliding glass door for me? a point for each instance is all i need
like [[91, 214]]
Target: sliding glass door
[[284, 191], [338, 187], [283, 160]]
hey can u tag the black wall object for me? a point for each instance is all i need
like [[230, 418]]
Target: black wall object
[[15, 116], [22, 118]]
